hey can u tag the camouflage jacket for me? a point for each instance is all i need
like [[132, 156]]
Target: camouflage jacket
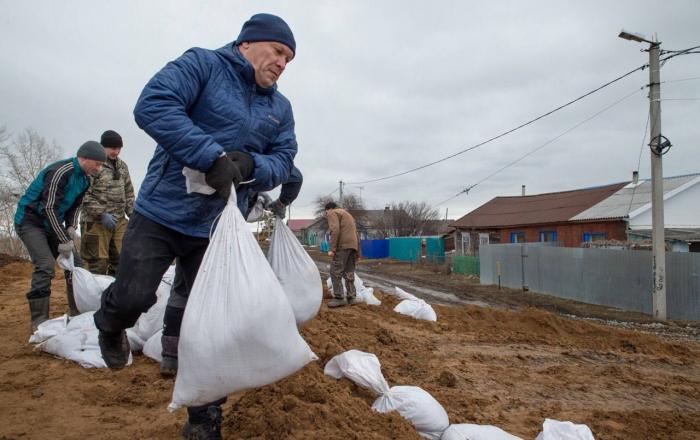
[[110, 191]]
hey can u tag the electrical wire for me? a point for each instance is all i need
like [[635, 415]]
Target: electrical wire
[[639, 160], [531, 152], [531, 121]]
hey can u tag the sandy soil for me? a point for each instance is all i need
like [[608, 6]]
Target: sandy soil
[[510, 368]]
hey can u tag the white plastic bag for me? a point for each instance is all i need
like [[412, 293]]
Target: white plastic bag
[[416, 308], [87, 287], [402, 294], [556, 430], [152, 320], [77, 341], [364, 293], [48, 329], [296, 272], [418, 407], [238, 330], [257, 211], [467, 431], [360, 367], [153, 348]]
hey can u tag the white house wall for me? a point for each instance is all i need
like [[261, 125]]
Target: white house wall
[[680, 211]]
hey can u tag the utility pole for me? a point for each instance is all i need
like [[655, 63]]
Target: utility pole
[[657, 185], [658, 145], [340, 192]]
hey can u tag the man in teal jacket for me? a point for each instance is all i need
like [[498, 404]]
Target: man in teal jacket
[[214, 111], [46, 221]]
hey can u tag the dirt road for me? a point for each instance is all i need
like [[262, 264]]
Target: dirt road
[[506, 367]]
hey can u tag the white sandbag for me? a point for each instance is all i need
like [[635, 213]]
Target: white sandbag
[[556, 430], [153, 348], [468, 431], [152, 320], [296, 272], [48, 329], [418, 407], [135, 341], [416, 308], [238, 331], [87, 287], [360, 367], [364, 293], [78, 343]]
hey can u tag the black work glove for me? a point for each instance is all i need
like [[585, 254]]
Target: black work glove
[[221, 175], [245, 164]]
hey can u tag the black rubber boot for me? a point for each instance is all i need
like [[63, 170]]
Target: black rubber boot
[[114, 348], [337, 302], [168, 367], [38, 311], [209, 430]]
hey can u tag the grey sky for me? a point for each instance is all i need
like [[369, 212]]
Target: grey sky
[[380, 87]]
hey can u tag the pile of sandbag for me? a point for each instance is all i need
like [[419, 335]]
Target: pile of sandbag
[[424, 412], [413, 306]]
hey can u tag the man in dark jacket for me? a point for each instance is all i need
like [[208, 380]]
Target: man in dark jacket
[[46, 221], [217, 112]]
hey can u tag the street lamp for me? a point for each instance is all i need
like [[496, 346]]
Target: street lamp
[[658, 241]]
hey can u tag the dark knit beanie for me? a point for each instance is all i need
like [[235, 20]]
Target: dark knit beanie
[[267, 27], [111, 139], [92, 150]]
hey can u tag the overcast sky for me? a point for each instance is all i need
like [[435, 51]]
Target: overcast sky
[[380, 87]]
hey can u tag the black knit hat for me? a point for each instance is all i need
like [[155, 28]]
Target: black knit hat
[[267, 27], [111, 139], [92, 150]]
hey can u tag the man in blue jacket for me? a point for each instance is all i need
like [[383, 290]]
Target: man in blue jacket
[[46, 222], [218, 112]]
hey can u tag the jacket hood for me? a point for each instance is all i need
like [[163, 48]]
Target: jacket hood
[[240, 64]]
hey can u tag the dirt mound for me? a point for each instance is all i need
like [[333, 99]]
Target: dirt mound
[[7, 259], [507, 368]]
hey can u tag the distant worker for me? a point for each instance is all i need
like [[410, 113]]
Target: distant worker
[[46, 218], [343, 248], [107, 204]]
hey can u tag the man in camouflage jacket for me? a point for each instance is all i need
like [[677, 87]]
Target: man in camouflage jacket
[[106, 206]]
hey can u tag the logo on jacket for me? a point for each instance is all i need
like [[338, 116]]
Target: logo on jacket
[[273, 119]]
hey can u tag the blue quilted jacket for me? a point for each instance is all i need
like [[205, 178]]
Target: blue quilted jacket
[[202, 104]]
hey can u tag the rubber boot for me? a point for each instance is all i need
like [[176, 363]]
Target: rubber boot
[[38, 311], [114, 349], [72, 307], [168, 366], [354, 300], [336, 302], [209, 430]]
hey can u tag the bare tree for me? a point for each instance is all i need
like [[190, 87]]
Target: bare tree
[[350, 203], [405, 219], [21, 160]]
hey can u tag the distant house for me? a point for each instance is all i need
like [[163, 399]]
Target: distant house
[[609, 212], [297, 226]]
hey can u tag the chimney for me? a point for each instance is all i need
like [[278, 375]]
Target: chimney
[[635, 177], [523, 189]]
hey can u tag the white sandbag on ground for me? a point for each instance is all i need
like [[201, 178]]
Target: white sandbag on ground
[[413, 403], [238, 323], [296, 272], [418, 407], [416, 308], [153, 348], [556, 430], [360, 367], [402, 294], [87, 287], [366, 294], [77, 342], [468, 431], [150, 322], [48, 329]]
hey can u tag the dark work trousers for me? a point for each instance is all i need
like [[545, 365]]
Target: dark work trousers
[[147, 251], [343, 267], [42, 246]]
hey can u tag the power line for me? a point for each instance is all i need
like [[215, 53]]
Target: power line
[[642, 67], [529, 153]]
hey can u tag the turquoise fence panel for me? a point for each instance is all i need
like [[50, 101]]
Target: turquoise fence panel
[[435, 250], [405, 248]]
